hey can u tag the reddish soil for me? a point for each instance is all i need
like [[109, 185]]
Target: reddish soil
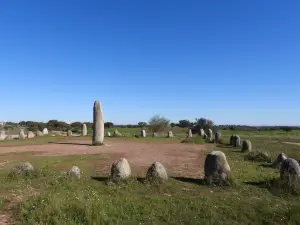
[[181, 159]]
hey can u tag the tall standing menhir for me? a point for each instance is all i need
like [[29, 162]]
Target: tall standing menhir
[[98, 125]]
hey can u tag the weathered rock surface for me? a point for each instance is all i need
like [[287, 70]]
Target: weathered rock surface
[[237, 141], [23, 168], [2, 135], [157, 173], [98, 124], [69, 133], [246, 146], [202, 133], [190, 133], [170, 134], [9, 138], [120, 170], [290, 172], [280, 158], [22, 135], [84, 130], [218, 137], [108, 134], [74, 172], [154, 134], [39, 133], [210, 134], [30, 134], [216, 168], [45, 131], [143, 133], [117, 133]]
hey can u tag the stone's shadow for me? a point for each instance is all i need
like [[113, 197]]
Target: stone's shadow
[[190, 180], [224, 146], [267, 165], [260, 184], [101, 179], [68, 143], [141, 180]]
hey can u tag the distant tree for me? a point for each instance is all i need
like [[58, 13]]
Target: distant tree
[[158, 123], [286, 129], [204, 123], [185, 123], [142, 124], [76, 124], [173, 124], [108, 124]]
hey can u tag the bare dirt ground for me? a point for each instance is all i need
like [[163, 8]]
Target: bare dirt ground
[[181, 159]]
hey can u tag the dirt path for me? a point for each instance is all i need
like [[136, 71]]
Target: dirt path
[[181, 159], [292, 143]]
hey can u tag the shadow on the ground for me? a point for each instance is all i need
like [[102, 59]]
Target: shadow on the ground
[[68, 143], [190, 180], [101, 179], [265, 165], [275, 186]]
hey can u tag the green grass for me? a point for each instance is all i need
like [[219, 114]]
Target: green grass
[[53, 198]]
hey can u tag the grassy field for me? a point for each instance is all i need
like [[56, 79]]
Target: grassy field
[[50, 197]]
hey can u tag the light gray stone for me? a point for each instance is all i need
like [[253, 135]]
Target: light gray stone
[[39, 133], [45, 131], [170, 134], [117, 133], [210, 134], [202, 133], [216, 168], [143, 133], [9, 138], [98, 124], [218, 137], [74, 172], [84, 130], [108, 134], [30, 135], [290, 172], [154, 134], [120, 170], [25, 167], [2, 135], [69, 133], [237, 141], [190, 133], [22, 135], [246, 146], [157, 173], [280, 158]]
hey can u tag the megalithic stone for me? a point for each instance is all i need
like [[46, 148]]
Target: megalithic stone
[[98, 126], [84, 130]]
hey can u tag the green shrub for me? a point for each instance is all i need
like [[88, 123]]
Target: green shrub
[[259, 157]]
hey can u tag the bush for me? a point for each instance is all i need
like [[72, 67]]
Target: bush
[[158, 123]]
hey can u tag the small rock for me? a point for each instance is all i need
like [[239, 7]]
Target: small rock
[[39, 133], [217, 137], [143, 133], [45, 131], [23, 168], [120, 170], [22, 135], [216, 168], [190, 133], [2, 135], [74, 172], [108, 134], [84, 130], [202, 132], [246, 146], [157, 173], [290, 172], [237, 141], [69, 133], [117, 133], [170, 134], [9, 137], [30, 134], [154, 135]]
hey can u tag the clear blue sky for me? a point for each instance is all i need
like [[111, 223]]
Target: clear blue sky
[[235, 61]]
